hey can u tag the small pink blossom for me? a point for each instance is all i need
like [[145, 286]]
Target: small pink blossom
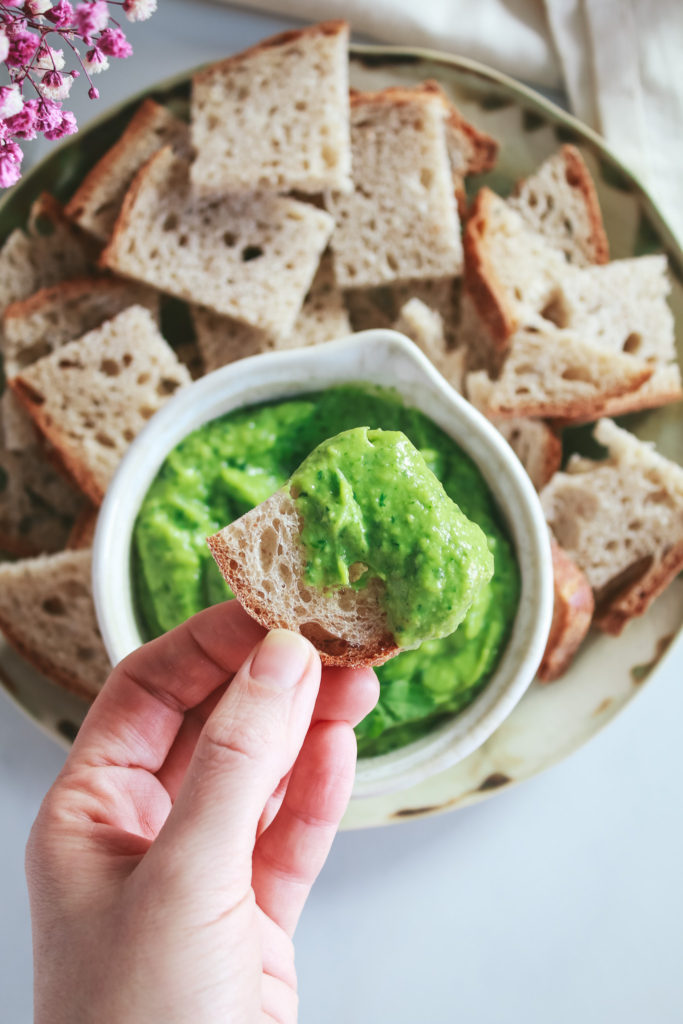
[[48, 115], [95, 61], [139, 10], [66, 126], [48, 59], [93, 93], [113, 42], [23, 124], [61, 14], [91, 17], [10, 167], [11, 100], [55, 86], [22, 47]]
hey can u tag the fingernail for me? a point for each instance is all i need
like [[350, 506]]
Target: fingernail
[[281, 659]]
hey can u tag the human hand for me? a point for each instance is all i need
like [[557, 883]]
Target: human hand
[[171, 859]]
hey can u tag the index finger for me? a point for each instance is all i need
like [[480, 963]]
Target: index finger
[[136, 717]]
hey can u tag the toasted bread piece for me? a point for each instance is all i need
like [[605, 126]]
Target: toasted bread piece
[[553, 374], [97, 202], [511, 272], [426, 328], [82, 532], [36, 326], [48, 615], [323, 317], [263, 561], [251, 257], [559, 201], [50, 250], [400, 222], [37, 506], [662, 388], [470, 150], [537, 446], [91, 397], [572, 615], [621, 521], [276, 116]]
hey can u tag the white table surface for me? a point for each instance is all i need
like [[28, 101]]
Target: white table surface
[[556, 902]]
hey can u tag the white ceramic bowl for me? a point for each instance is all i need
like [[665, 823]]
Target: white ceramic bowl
[[378, 357]]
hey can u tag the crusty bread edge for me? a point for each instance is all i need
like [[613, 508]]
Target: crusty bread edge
[[619, 405], [578, 176], [60, 452], [138, 125], [108, 256], [635, 598], [573, 609], [480, 279], [334, 27], [53, 672], [356, 657]]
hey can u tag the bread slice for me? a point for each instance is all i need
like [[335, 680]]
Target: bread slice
[[559, 201], [554, 374], [91, 397], [537, 446], [50, 250], [426, 328], [400, 222], [264, 562], [621, 521], [50, 318], [251, 257], [511, 271], [48, 615], [97, 202], [37, 506], [323, 317], [573, 609], [276, 116]]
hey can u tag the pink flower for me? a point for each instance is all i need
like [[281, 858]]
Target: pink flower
[[48, 115], [66, 126], [139, 10], [114, 43], [93, 93], [22, 47], [23, 124], [91, 17], [11, 100], [61, 14], [95, 61], [10, 167], [55, 86]]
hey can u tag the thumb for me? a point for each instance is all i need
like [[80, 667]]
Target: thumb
[[248, 744]]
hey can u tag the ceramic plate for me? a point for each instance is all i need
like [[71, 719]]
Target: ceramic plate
[[551, 721]]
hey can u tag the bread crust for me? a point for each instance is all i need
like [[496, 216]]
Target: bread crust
[[69, 680], [572, 615], [578, 176], [140, 125], [334, 27], [109, 255], [637, 596], [480, 279], [333, 652]]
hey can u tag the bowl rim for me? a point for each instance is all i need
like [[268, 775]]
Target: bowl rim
[[375, 357]]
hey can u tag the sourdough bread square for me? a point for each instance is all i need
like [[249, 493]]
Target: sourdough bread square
[[275, 116], [251, 256]]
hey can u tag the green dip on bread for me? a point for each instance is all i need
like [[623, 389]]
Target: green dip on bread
[[407, 556]]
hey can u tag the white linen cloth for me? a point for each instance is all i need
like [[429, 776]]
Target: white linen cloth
[[620, 61]]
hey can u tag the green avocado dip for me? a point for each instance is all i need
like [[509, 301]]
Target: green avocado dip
[[232, 464], [372, 508]]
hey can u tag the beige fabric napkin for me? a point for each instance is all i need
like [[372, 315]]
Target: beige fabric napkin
[[620, 61]]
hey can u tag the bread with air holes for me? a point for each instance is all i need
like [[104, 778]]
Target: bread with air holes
[[264, 563]]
